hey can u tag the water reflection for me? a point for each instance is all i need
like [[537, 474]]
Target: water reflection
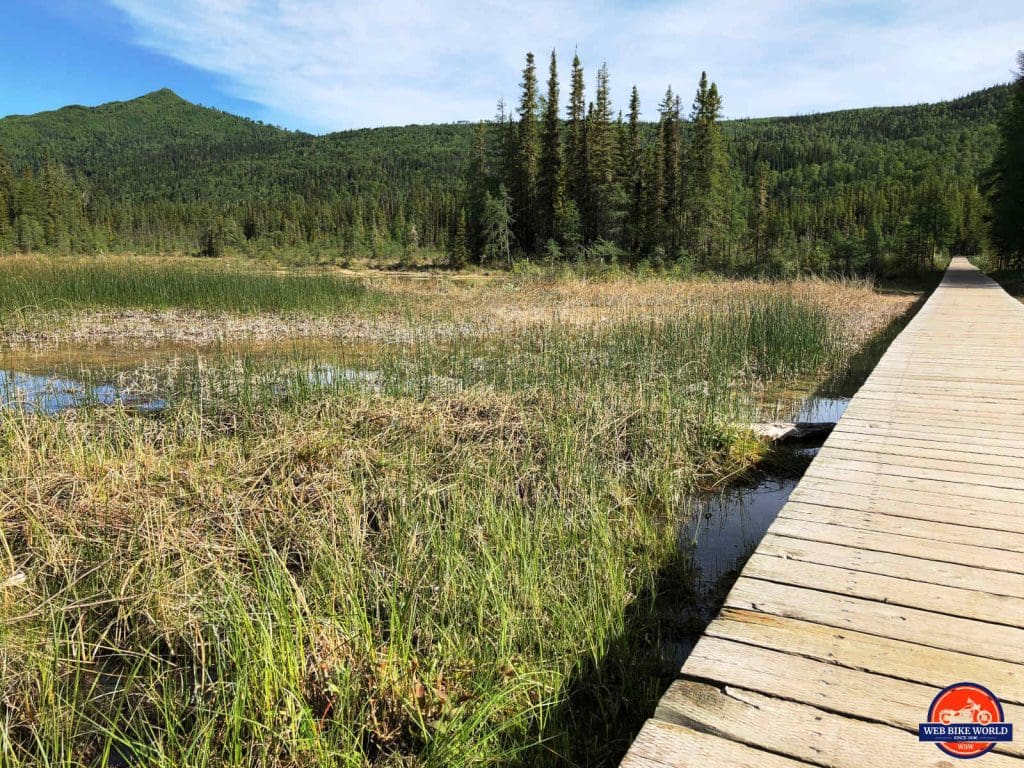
[[726, 528], [820, 409], [51, 394]]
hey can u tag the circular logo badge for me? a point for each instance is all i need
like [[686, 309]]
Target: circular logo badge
[[962, 708]]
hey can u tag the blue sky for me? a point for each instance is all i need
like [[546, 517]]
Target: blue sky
[[321, 65]]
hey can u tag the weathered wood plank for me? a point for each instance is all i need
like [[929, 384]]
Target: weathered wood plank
[[923, 506], [912, 546], [925, 449], [931, 571], [798, 730], [1009, 496], [668, 744], [934, 598], [832, 688], [867, 488], [947, 466], [886, 620], [884, 522], [868, 653], [830, 462]]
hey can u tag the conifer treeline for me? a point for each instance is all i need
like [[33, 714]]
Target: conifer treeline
[[566, 179], [1007, 178], [596, 186]]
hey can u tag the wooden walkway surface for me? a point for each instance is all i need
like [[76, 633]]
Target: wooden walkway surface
[[896, 568]]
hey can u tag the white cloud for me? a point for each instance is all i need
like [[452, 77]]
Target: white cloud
[[330, 64]]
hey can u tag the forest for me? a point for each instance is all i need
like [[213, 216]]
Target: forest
[[868, 190]]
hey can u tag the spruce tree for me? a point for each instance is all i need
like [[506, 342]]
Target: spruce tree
[[524, 190], [1007, 192], [576, 139], [707, 169], [932, 220], [633, 176], [549, 174], [601, 164], [498, 223], [671, 181], [460, 242]]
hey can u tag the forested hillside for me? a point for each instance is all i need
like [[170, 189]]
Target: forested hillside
[[853, 190]]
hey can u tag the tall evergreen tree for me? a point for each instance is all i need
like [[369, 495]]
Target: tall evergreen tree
[[498, 226], [524, 190], [576, 139], [633, 177], [460, 241], [707, 175], [601, 163], [549, 174], [1007, 193], [671, 176]]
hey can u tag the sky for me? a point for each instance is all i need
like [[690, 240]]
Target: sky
[[325, 65]]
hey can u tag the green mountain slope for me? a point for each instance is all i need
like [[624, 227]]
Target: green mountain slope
[[155, 172]]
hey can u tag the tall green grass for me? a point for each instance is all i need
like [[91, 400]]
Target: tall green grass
[[51, 283], [451, 561]]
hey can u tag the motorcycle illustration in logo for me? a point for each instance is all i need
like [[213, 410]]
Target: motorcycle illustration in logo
[[971, 713], [965, 720]]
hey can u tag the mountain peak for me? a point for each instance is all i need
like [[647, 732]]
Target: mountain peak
[[164, 94]]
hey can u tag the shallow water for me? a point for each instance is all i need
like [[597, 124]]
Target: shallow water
[[51, 394]]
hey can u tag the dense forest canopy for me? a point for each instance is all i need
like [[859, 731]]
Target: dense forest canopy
[[1006, 181], [877, 188]]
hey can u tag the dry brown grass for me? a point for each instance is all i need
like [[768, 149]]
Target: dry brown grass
[[427, 307]]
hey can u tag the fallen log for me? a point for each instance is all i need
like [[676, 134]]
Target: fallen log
[[790, 431]]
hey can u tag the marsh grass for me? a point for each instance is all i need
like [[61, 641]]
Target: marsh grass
[[54, 284], [450, 559]]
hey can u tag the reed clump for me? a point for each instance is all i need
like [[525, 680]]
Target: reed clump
[[56, 285]]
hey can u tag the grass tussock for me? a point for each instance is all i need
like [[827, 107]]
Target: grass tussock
[[451, 559]]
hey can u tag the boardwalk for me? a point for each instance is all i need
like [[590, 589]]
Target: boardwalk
[[896, 568]]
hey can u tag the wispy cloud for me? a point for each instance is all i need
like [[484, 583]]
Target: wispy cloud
[[330, 64]]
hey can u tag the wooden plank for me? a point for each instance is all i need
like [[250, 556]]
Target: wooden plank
[[894, 590], [948, 465], [868, 653], [897, 622], [911, 546], [829, 687], [1008, 496], [978, 430], [889, 523], [965, 475], [894, 423], [850, 424], [667, 744], [1000, 412], [931, 571], [927, 449], [798, 730], [840, 488]]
